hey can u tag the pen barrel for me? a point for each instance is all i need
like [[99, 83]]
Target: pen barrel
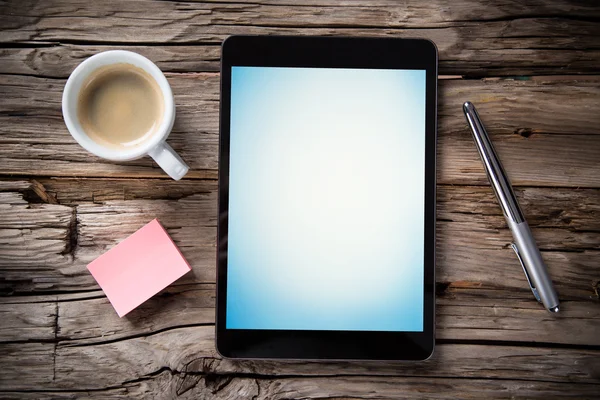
[[533, 263], [493, 166]]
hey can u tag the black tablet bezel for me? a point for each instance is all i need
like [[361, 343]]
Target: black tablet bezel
[[328, 52]]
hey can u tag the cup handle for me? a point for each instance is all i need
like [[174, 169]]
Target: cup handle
[[169, 161]]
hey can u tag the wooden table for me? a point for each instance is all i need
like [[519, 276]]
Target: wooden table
[[533, 71]]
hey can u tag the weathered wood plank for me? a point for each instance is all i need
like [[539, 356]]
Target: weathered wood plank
[[517, 39], [482, 293], [529, 364], [58, 60], [26, 366], [564, 220], [34, 238], [291, 13], [561, 126], [70, 191], [463, 313], [571, 209], [194, 134], [164, 385], [191, 222], [546, 129], [27, 321], [390, 388], [39, 254], [94, 320], [472, 236], [189, 356], [482, 315]]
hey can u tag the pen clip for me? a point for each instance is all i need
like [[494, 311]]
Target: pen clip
[[533, 289]]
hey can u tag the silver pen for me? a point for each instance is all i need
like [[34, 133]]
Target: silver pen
[[524, 244]]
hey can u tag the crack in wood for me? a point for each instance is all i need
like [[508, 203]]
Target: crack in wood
[[66, 342], [72, 236], [217, 381], [55, 342], [256, 396], [189, 381], [152, 374], [184, 384], [525, 132], [16, 294], [221, 370], [510, 18], [183, 37], [36, 193], [85, 42]]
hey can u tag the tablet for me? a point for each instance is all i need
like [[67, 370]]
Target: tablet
[[326, 228]]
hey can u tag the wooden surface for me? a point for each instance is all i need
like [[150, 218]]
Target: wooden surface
[[532, 68]]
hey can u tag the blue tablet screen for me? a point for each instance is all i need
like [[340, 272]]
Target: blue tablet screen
[[326, 199]]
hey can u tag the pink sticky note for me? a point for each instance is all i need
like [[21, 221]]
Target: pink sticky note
[[139, 267]]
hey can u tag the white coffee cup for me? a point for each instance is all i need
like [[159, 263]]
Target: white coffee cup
[[155, 146]]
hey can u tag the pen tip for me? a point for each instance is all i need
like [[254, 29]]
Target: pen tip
[[468, 106], [554, 309]]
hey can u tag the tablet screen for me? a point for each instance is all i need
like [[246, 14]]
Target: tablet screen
[[326, 199]]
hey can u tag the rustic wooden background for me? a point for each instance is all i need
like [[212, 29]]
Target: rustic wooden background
[[531, 67]]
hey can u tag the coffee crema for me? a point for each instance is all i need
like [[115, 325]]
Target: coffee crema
[[120, 106]]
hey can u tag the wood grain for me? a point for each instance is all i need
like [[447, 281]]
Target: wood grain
[[514, 38], [56, 60], [28, 321], [26, 366], [34, 238], [188, 357], [463, 313], [482, 293], [60, 207], [568, 240], [59, 60], [166, 385], [450, 360], [556, 141], [565, 222]]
